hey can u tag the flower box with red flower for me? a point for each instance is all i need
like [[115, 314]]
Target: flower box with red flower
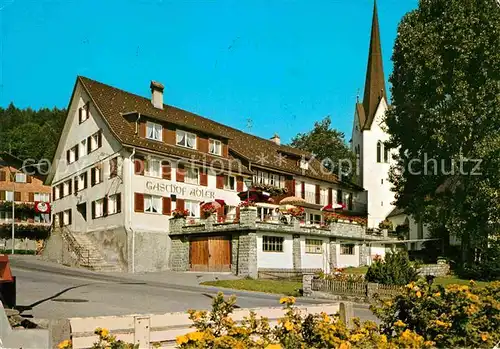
[[178, 213], [208, 210]]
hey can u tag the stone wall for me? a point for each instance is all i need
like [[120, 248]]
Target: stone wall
[[297, 257], [235, 240], [434, 269], [151, 251], [364, 252], [57, 250], [333, 254], [112, 243], [179, 254]]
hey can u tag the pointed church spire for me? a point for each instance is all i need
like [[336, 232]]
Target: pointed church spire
[[375, 81]]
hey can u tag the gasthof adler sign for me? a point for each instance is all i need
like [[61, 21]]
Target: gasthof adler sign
[[181, 190]]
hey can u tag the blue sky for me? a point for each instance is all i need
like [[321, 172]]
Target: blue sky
[[282, 64]]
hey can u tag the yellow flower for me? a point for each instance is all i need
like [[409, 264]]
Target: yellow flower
[[274, 346], [356, 337], [429, 344], [288, 326], [64, 344], [484, 336], [437, 294], [345, 345], [181, 340], [287, 300], [472, 282], [442, 323], [104, 333], [195, 336], [419, 294], [399, 323]]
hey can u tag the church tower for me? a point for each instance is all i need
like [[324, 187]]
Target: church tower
[[368, 135]]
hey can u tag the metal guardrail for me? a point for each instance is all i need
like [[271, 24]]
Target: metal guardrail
[[82, 254]]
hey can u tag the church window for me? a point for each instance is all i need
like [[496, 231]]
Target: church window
[[386, 154], [379, 151]]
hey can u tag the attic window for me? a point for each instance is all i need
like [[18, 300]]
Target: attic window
[[186, 139], [304, 164], [153, 131]]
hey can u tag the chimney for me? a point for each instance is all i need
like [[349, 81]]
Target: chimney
[[276, 139], [156, 94]]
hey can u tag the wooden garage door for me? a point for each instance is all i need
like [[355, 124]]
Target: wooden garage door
[[211, 253]]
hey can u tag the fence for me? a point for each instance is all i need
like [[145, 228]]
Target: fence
[[144, 330], [349, 288]]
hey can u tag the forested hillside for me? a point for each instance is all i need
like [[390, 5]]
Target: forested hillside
[[29, 133]]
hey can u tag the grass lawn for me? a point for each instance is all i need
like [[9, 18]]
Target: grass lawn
[[448, 280], [288, 288], [355, 270]]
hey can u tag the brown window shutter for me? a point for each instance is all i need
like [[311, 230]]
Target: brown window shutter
[[89, 146], [80, 115], [29, 179], [169, 135], [142, 129], [317, 194], [225, 150], [239, 184], [139, 166], [118, 202], [167, 206], [93, 210], [70, 185], [70, 218], [2, 194], [76, 152], [67, 156], [54, 193], [237, 213], [87, 110], [220, 212], [2, 176], [179, 204], [99, 139], [179, 176], [61, 219], [339, 196], [166, 171], [31, 197], [85, 179], [105, 206], [330, 196], [17, 196], [92, 176], [203, 177], [113, 167], [61, 190], [303, 190], [76, 184], [219, 182], [350, 203], [138, 202], [203, 144]]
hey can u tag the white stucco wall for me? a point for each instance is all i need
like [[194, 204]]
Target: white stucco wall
[[312, 260], [283, 260], [344, 260]]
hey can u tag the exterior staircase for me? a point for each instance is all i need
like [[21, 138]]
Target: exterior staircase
[[87, 255]]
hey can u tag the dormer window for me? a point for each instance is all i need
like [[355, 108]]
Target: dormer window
[[153, 131], [186, 139], [304, 164], [215, 147]]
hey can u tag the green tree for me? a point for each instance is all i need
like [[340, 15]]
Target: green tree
[[445, 119], [395, 269], [328, 145]]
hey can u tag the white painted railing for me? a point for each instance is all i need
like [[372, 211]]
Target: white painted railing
[[164, 328]]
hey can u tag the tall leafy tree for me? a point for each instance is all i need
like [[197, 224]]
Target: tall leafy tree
[[328, 145], [445, 118]]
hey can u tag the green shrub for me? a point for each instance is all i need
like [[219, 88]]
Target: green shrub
[[395, 269], [488, 269]]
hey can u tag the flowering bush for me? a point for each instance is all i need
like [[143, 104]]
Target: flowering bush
[[178, 213], [247, 203], [451, 317], [208, 209], [339, 275], [333, 217], [297, 212], [386, 224]]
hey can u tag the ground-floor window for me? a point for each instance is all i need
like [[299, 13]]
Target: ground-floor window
[[5, 216], [314, 218], [42, 218], [264, 213], [314, 246], [347, 249], [272, 243]]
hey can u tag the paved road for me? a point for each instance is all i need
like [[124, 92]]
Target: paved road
[[54, 293]]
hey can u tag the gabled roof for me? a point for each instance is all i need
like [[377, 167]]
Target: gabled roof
[[113, 103], [396, 212], [375, 80]]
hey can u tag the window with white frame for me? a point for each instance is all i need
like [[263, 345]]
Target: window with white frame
[[57, 192], [42, 218], [153, 167], [66, 217], [99, 208], [215, 147], [314, 218], [5, 216], [323, 196], [193, 207], [113, 204], [96, 174], [65, 188], [314, 246], [262, 177], [272, 243], [347, 249], [154, 131], [304, 164], [229, 182], [186, 139], [83, 148], [152, 204], [191, 175], [94, 141], [20, 177], [43, 197], [72, 154], [82, 180]]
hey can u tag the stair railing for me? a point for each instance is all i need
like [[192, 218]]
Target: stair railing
[[82, 254]]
